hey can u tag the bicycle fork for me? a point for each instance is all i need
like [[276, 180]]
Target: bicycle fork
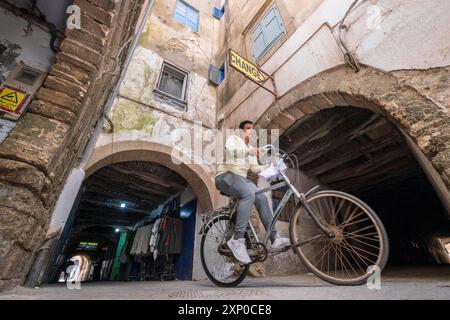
[[302, 198]]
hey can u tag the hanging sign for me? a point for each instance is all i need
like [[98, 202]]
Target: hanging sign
[[247, 68], [250, 70]]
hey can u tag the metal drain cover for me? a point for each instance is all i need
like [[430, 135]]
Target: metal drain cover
[[216, 293]]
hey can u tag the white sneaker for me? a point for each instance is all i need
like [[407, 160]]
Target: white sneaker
[[280, 242], [239, 250]]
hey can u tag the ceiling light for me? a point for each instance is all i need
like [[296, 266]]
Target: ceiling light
[[117, 230], [123, 205]]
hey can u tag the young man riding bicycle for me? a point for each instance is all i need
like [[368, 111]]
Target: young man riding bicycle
[[231, 179]]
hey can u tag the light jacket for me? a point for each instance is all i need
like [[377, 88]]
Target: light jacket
[[238, 159]]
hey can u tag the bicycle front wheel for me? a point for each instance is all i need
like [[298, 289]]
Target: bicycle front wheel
[[223, 270], [359, 244]]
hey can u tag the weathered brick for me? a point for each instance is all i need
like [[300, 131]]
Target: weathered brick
[[71, 89], [17, 199], [320, 101], [19, 227], [88, 40], [64, 57], [14, 266], [90, 25], [79, 50], [284, 120], [94, 12], [59, 98], [53, 111], [106, 5], [19, 173], [36, 140], [307, 107], [71, 73]]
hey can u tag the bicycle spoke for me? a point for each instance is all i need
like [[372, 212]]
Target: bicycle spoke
[[320, 251], [328, 262], [350, 235], [351, 266], [360, 256], [327, 252], [219, 266], [342, 203], [340, 259], [356, 245], [355, 222], [349, 216], [365, 243], [347, 212], [331, 211], [365, 228], [350, 250], [368, 252], [347, 223], [321, 215]]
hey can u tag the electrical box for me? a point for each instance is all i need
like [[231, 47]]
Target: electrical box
[[18, 89]]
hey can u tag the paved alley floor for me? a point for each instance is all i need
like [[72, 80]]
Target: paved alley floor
[[396, 283]]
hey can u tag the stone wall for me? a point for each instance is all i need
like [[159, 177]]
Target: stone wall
[[38, 154]]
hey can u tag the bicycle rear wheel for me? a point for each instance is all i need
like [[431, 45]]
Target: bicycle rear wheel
[[222, 270], [359, 244]]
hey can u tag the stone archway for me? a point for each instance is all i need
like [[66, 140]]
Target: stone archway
[[40, 152], [417, 123], [199, 177], [424, 122]]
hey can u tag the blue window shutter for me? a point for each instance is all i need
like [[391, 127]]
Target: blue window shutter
[[214, 75], [221, 75], [259, 43], [272, 26], [186, 15], [218, 12], [180, 12], [192, 19], [267, 32]]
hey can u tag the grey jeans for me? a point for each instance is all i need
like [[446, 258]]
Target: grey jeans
[[244, 190]]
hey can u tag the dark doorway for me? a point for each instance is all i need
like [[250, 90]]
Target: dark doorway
[[362, 153]]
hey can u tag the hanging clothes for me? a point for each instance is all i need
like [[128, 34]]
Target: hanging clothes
[[135, 245], [141, 240], [153, 245], [144, 240], [176, 238], [171, 236]]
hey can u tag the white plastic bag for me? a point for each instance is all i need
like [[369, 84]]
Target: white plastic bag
[[273, 172]]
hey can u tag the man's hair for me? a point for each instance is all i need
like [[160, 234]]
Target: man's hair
[[243, 123]]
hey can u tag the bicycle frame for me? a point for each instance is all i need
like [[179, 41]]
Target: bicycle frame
[[300, 196]]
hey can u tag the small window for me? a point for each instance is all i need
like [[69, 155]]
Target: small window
[[216, 75], [28, 76], [172, 84], [266, 32], [186, 14], [218, 12]]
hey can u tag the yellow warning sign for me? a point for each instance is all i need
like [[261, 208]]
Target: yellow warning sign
[[12, 99]]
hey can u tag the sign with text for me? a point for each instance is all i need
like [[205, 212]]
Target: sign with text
[[247, 68]]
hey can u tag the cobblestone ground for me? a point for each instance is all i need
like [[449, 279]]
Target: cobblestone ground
[[396, 283]]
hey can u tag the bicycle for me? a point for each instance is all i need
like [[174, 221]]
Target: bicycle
[[337, 236]]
